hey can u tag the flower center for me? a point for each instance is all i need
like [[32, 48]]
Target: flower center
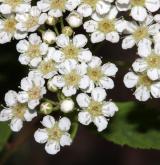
[[31, 22], [55, 133], [138, 2], [72, 78], [19, 110], [33, 51], [106, 25], [153, 61], [71, 52], [58, 4], [10, 25], [34, 93], [13, 3], [91, 3], [141, 33], [95, 74], [145, 81], [95, 108], [46, 67]]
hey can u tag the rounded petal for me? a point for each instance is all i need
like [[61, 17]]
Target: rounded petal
[[98, 94], [48, 121], [109, 69], [106, 83], [142, 93], [155, 90], [80, 40], [153, 73], [29, 115], [97, 37], [140, 65], [109, 109], [113, 37], [16, 124], [83, 100], [84, 118], [64, 124], [128, 42], [11, 98], [41, 136], [65, 140], [69, 91], [52, 147], [101, 123], [62, 40], [6, 114], [130, 80]]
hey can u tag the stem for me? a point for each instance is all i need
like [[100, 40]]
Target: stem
[[62, 23], [56, 30]]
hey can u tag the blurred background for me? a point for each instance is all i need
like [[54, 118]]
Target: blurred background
[[87, 147]]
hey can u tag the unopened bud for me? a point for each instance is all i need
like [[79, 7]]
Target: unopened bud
[[67, 105], [49, 37]]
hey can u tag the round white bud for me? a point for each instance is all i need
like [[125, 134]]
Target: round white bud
[[74, 19], [67, 105], [51, 20], [51, 87], [49, 37]]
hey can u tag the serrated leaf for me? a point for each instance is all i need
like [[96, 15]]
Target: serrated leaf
[[135, 126], [5, 133]]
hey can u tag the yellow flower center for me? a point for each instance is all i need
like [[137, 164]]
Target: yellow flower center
[[33, 51], [13, 3], [95, 74], [31, 22], [58, 4], [70, 51], [95, 108], [34, 93], [19, 110], [46, 67], [145, 81], [10, 25], [153, 61], [137, 2], [106, 25], [141, 33], [72, 78], [91, 3]]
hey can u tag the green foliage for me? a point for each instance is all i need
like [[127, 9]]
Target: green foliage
[[136, 126]]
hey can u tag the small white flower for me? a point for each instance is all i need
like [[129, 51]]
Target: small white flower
[[99, 74], [30, 22], [8, 30], [105, 27], [145, 87], [71, 49], [55, 134], [67, 105], [139, 8], [95, 109], [72, 77], [9, 6], [87, 7], [140, 35], [32, 50], [56, 8], [16, 112], [49, 37], [33, 89]]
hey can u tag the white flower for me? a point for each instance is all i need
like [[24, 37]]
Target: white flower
[[8, 30], [139, 8], [16, 112], [87, 7], [9, 6], [71, 49], [55, 134], [30, 22], [49, 37], [56, 8], [150, 63], [33, 89], [99, 74], [140, 35], [72, 77], [105, 27], [95, 109], [32, 50], [145, 87], [67, 105]]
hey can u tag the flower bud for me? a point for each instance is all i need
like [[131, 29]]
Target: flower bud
[[67, 105], [46, 108], [67, 30], [51, 87], [49, 37], [74, 19], [51, 20]]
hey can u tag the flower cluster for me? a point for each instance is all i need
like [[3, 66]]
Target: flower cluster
[[61, 62]]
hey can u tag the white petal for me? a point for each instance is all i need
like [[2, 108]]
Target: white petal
[[52, 147], [80, 40], [153, 73], [106, 83], [62, 40], [84, 118], [109, 69], [128, 42], [69, 91], [11, 98], [97, 37], [58, 81], [6, 114], [142, 93], [102, 7], [16, 124], [29, 115], [83, 100], [85, 10], [64, 124], [84, 82], [85, 56], [109, 109], [140, 65], [113, 37], [98, 94], [41, 136], [90, 26], [65, 140], [155, 90], [101, 122], [48, 121], [152, 5]]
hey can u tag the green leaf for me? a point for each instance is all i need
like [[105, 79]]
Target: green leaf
[[5, 133], [135, 125]]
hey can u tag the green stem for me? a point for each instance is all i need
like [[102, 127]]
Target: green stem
[[56, 30], [62, 23]]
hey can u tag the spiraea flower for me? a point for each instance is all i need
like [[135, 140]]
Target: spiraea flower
[[56, 8], [99, 74], [105, 27], [71, 77], [9, 6], [33, 89], [140, 34], [145, 87], [55, 134], [139, 8], [31, 21], [31, 50], [95, 109], [71, 49], [87, 7], [8, 30], [16, 112]]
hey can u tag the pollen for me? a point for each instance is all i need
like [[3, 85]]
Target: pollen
[[106, 25], [141, 33], [95, 74], [58, 4], [19, 110], [91, 3], [31, 22], [145, 81], [138, 2], [34, 93], [10, 25], [95, 108], [153, 61], [33, 51], [13, 3]]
